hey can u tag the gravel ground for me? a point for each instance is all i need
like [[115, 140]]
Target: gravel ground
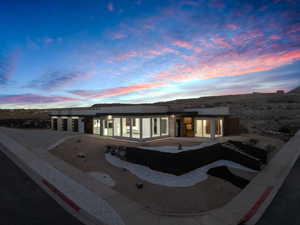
[[206, 195]]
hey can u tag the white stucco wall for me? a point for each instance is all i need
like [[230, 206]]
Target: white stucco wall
[[80, 125]]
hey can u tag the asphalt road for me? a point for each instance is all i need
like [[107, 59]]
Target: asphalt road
[[284, 209], [23, 202]]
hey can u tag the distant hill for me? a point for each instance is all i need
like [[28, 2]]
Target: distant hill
[[258, 112], [115, 104], [295, 90]]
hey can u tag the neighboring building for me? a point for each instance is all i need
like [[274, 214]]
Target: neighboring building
[[144, 122], [280, 91]]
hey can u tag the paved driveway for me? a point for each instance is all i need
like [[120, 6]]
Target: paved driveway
[[35, 139], [24, 203], [284, 209]]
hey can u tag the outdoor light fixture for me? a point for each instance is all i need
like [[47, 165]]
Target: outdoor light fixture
[[109, 117], [173, 116]]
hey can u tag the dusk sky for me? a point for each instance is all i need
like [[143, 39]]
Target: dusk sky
[[63, 53]]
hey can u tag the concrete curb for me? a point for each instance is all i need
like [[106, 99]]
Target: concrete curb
[[280, 180], [249, 206], [75, 198]]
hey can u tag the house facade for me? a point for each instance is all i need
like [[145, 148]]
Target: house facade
[[145, 122]]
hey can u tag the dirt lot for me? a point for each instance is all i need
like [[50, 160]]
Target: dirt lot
[[206, 195]]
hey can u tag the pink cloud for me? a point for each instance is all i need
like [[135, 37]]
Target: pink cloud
[[261, 42], [232, 65], [118, 35], [162, 50], [243, 37], [294, 29], [206, 44], [221, 42], [33, 99], [157, 51], [128, 54], [117, 91], [110, 7], [232, 26], [275, 37], [186, 45]]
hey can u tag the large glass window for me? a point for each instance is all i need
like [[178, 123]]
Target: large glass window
[[155, 127], [136, 130], [96, 127], [126, 122], [164, 126], [117, 126], [146, 123]]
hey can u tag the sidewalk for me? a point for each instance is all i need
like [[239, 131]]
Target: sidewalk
[[75, 197]]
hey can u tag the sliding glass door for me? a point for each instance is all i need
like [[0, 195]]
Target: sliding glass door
[[202, 128], [107, 127], [126, 127]]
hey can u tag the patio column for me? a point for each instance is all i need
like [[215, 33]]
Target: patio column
[[212, 129], [59, 124], [172, 126], [141, 128]]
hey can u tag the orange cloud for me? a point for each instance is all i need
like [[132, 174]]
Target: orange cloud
[[187, 45], [117, 91], [233, 65], [162, 50], [127, 55], [294, 29]]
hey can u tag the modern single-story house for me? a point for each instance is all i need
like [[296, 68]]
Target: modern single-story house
[[145, 122]]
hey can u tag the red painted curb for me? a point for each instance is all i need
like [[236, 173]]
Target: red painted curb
[[61, 195], [256, 205]]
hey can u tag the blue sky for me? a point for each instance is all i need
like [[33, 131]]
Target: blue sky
[[62, 53]]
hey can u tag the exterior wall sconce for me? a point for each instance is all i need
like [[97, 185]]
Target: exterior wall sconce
[[109, 117]]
